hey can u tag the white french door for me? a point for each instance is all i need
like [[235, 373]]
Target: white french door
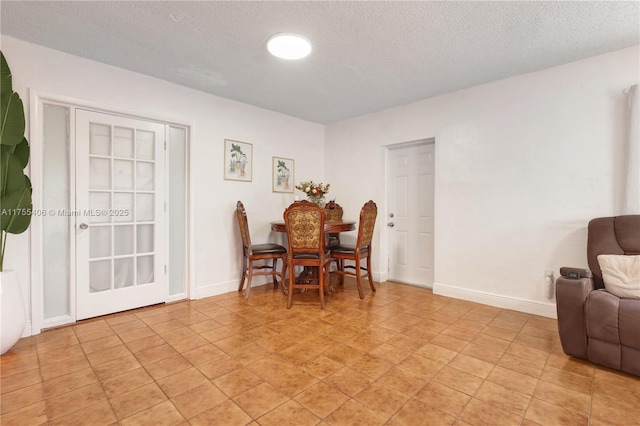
[[120, 218], [410, 218]]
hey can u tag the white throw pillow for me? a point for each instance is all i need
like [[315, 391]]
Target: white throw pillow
[[621, 274]]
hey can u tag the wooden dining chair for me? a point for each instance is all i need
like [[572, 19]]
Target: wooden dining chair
[[362, 249], [252, 253], [333, 212], [304, 222]]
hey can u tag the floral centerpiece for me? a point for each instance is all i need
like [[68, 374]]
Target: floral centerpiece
[[315, 191]]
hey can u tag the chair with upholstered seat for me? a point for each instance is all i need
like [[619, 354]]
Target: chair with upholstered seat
[[304, 222], [258, 252], [361, 250], [333, 212]]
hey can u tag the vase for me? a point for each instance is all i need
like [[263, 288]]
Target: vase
[[316, 200], [12, 313]]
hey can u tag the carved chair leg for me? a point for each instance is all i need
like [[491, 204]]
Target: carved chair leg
[[275, 273], [359, 278], [321, 283], [242, 281], [283, 277], [250, 277], [244, 273], [290, 296], [373, 288], [327, 280]]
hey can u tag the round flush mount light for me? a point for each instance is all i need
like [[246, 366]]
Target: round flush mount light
[[289, 46]]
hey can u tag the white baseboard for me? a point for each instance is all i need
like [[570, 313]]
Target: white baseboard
[[222, 288], [380, 277], [215, 289], [499, 301]]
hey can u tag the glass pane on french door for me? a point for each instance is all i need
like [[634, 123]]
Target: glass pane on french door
[[120, 213]]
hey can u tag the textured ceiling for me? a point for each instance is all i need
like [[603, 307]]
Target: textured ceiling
[[367, 56]]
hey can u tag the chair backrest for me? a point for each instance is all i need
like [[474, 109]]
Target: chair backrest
[[243, 223], [611, 235], [332, 211], [368, 215], [304, 222]]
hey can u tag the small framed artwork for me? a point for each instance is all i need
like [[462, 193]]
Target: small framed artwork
[[283, 174], [238, 160]]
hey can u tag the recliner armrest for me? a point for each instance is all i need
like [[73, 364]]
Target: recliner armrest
[[574, 290], [575, 273], [571, 294]]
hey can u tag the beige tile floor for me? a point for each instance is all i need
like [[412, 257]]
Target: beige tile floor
[[401, 356]]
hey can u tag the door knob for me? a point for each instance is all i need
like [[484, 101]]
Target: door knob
[[391, 224], [83, 226]]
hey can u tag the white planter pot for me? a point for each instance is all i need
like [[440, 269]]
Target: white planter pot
[[12, 313]]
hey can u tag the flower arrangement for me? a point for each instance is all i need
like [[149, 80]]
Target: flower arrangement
[[315, 191]]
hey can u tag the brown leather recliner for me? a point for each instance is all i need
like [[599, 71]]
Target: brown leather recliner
[[594, 324]]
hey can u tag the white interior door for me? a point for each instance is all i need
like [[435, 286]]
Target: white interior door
[[120, 260], [410, 217]]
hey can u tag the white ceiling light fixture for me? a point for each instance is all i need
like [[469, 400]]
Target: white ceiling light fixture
[[289, 46]]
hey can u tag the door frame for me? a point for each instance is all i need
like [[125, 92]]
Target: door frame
[[385, 240], [37, 100]]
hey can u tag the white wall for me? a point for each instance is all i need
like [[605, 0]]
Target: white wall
[[522, 164], [217, 254]]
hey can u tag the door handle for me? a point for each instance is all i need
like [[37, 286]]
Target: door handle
[[83, 226], [391, 224]]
